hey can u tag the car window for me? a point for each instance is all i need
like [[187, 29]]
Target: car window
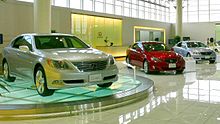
[[184, 45], [53, 42], [135, 46], [155, 47], [140, 46], [179, 44], [195, 44], [28, 42]]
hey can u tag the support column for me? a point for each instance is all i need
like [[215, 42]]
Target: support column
[[179, 18], [42, 16]]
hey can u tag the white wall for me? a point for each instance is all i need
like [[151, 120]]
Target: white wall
[[17, 18], [199, 31]]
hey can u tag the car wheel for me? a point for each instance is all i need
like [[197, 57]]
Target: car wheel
[[146, 67], [6, 73], [41, 83], [211, 61], [105, 85], [127, 60], [188, 55]]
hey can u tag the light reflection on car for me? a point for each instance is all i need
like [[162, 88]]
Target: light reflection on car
[[55, 61], [195, 49]]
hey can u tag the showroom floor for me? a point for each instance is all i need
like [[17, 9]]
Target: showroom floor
[[189, 98]]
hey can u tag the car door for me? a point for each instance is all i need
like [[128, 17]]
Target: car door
[[177, 48], [134, 54], [11, 54], [140, 56], [184, 49], [26, 59]]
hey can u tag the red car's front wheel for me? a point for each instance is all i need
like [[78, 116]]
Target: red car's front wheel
[[146, 67]]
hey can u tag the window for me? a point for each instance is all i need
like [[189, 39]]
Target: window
[[88, 5], [17, 42], [135, 46], [76, 4], [99, 6], [21, 41], [62, 3]]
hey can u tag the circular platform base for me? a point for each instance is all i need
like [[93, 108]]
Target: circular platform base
[[23, 102]]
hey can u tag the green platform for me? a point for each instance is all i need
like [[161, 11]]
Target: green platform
[[23, 99]]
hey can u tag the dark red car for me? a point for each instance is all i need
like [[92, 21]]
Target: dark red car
[[154, 57]]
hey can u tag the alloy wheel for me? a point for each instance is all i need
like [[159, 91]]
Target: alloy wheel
[[40, 81], [146, 67], [6, 70]]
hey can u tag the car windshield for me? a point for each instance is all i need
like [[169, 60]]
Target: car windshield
[[195, 44], [53, 42], [154, 47]]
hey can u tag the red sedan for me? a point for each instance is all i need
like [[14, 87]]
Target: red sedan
[[154, 57]]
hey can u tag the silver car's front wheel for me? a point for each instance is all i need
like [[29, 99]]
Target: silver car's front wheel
[[6, 73], [41, 83], [146, 67]]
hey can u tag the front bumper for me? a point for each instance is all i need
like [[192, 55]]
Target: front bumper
[[164, 66], [204, 57], [57, 79]]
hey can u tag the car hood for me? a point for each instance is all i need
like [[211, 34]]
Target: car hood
[[72, 54], [200, 49], [163, 54]]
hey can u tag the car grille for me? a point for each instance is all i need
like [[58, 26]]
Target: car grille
[[206, 53], [91, 66], [170, 60]]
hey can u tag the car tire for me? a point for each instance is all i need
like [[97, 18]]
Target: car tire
[[105, 85], [211, 61], [188, 55], [6, 73], [146, 67], [41, 82], [127, 61]]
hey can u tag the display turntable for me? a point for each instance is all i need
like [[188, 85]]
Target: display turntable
[[23, 102]]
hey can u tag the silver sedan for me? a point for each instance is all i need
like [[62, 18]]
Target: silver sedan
[[195, 49], [57, 61]]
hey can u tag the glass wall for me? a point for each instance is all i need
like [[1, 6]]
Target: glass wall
[[198, 11], [97, 31], [158, 10]]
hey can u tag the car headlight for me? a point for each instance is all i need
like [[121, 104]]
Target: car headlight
[[58, 64], [155, 59], [111, 60]]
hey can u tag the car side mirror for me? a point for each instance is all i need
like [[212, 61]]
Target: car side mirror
[[24, 48]]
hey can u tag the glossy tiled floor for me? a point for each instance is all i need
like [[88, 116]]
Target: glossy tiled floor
[[189, 98]]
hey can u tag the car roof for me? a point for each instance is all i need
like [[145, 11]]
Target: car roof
[[150, 42], [191, 41], [46, 34]]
